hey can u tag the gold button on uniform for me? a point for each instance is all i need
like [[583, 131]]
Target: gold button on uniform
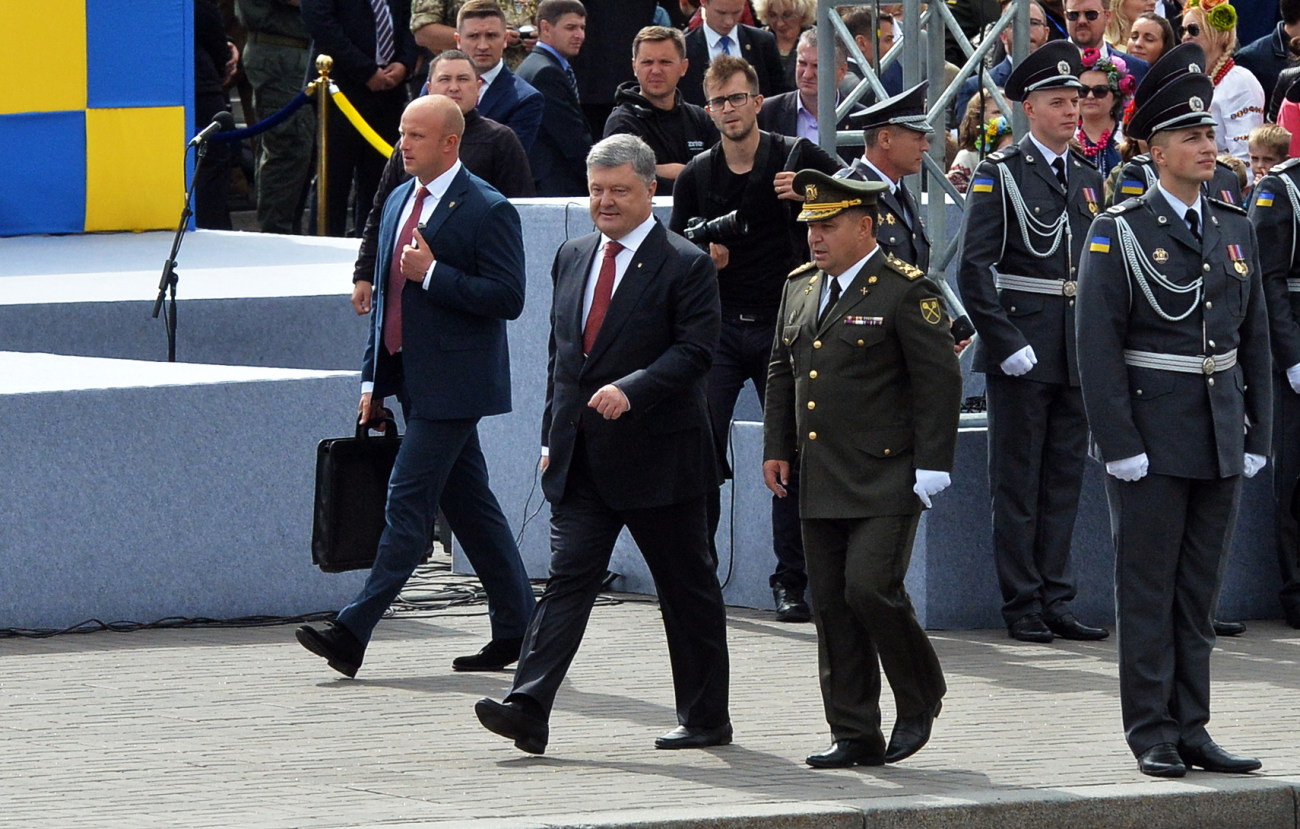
[[888, 451], [817, 343], [812, 375], [861, 342], [812, 404], [812, 436]]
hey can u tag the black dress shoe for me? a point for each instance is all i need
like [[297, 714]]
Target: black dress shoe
[[1222, 628], [911, 734], [845, 753], [494, 656], [1030, 628], [510, 720], [1067, 626], [790, 605], [1161, 760], [1213, 758], [335, 644], [689, 737]]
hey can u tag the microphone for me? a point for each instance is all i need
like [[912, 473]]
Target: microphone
[[221, 122]]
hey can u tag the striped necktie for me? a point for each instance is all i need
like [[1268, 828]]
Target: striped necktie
[[383, 32]]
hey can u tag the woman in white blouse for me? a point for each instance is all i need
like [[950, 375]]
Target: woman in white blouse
[[1238, 105]]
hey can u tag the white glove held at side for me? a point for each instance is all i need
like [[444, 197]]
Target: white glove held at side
[[930, 482], [1293, 377], [1254, 463], [1129, 469], [1020, 362]]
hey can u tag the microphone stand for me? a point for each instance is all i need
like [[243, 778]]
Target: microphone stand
[[169, 279]]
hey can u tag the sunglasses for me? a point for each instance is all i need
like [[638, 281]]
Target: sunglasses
[[1192, 29], [1090, 15], [1099, 91]]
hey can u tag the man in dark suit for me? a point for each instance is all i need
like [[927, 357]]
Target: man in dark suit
[[1176, 382], [864, 386], [438, 342], [558, 154], [504, 96], [998, 75], [724, 34], [795, 113], [626, 440], [373, 54], [1086, 21], [1027, 216]]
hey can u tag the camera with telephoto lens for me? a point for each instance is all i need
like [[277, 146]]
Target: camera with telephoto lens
[[726, 228]]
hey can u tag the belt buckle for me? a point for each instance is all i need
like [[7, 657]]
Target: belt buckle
[[1070, 287], [1208, 365]]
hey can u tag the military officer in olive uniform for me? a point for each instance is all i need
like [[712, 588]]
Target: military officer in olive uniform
[[1027, 213], [1275, 212], [1177, 388], [1139, 174], [897, 137], [865, 388]]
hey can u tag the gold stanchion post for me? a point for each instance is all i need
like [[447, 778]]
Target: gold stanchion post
[[324, 63]]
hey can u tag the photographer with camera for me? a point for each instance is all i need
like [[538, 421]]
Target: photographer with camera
[[737, 201]]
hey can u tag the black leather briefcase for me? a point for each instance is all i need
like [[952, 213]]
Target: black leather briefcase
[[351, 490]]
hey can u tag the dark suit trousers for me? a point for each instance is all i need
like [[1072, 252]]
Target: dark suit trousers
[[1286, 471], [1171, 536], [865, 622], [743, 353], [672, 541], [353, 161], [441, 464], [1037, 439]]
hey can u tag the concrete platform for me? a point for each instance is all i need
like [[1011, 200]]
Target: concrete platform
[[222, 728]]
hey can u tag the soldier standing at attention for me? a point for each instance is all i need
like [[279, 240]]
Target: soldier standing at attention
[[1027, 216], [864, 384], [1178, 395]]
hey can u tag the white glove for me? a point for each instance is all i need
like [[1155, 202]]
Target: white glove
[[1293, 377], [930, 482], [1254, 463], [1020, 362], [1129, 469]]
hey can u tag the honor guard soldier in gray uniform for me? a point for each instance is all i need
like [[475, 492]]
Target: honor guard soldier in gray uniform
[[1275, 212], [1027, 213], [1139, 174], [897, 137], [1176, 384], [865, 386]]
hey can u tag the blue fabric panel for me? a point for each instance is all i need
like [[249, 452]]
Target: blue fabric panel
[[139, 53], [43, 168]]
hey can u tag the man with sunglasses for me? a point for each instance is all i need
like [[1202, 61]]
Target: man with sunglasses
[[1086, 21], [1027, 217], [749, 175]]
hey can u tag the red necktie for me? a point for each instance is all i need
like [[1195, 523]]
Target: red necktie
[[600, 302], [396, 282]]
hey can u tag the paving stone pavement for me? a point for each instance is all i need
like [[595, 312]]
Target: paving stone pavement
[[243, 728]]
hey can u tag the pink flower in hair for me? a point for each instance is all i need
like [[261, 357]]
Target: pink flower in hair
[[1090, 57], [1127, 85], [1119, 64]]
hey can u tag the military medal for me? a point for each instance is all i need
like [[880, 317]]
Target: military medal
[[1090, 196], [1160, 255], [1226, 195], [1238, 257], [872, 321]]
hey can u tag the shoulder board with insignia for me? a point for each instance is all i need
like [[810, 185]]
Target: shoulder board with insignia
[[1141, 158], [907, 269], [802, 269], [1123, 207], [1235, 208], [1003, 154], [1289, 164]]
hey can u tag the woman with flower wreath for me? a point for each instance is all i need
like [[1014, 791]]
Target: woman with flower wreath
[[1238, 104], [1107, 85], [976, 139]]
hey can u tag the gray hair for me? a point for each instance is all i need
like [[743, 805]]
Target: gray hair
[[808, 40], [621, 149]]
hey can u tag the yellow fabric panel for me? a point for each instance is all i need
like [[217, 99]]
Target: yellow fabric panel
[[135, 168], [43, 60]]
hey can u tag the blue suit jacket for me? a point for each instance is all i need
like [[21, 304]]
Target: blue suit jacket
[[559, 156], [512, 101], [455, 360]]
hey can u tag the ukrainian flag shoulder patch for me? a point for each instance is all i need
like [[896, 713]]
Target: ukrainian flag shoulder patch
[[1132, 187], [982, 185], [1100, 244], [1265, 199]]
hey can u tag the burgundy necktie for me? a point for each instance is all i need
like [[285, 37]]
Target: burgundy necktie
[[396, 282], [600, 301]]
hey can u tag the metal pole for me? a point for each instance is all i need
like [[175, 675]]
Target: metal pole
[[324, 63]]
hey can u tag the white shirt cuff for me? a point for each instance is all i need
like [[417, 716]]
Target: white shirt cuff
[[367, 387]]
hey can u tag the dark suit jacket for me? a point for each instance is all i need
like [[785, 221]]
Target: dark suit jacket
[[908, 242], [512, 101], [455, 359], [656, 345], [559, 155], [755, 45], [997, 75], [1136, 66], [345, 30], [780, 115]]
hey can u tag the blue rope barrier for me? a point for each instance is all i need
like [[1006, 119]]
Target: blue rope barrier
[[269, 122]]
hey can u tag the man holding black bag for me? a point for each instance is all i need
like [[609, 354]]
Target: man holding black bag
[[736, 200]]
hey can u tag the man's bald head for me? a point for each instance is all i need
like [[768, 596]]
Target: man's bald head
[[431, 129]]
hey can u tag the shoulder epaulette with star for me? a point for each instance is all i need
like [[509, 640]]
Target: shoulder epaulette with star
[[1003, 154], [907, 269], [1235, 208], [802, 269]]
